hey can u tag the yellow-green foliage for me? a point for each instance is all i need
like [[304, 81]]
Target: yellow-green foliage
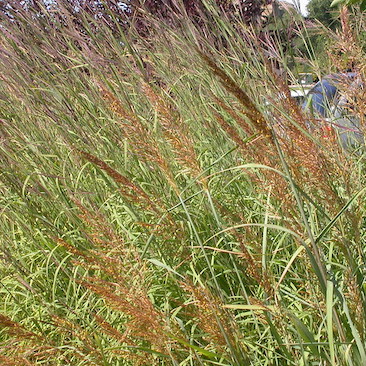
[[164, 203]]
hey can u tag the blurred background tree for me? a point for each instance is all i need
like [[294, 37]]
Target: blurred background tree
[[321, 10], [248, 10]]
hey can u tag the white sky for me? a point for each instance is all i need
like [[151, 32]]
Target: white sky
[[301, 3]]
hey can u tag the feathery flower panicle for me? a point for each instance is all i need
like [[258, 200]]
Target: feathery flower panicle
[[15, 361], [16, 330], [141, 139], [109, 253], [255, 117], [112, 245], [85, 346], [146, 146], [249, 239], [355, 301], [311, 167], [70, 248], [144, 322], [24, 347], [123, 283], [257, 149], [130, 190], [98, 226], [211, 316], [137, 358], [254, 267], [347, 41], [175, 131], [262, 149], [231, 131], [314, 168], [112, 331], [233, 113], [256, 146], [348, 54]]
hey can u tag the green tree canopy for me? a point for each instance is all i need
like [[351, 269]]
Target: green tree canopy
[[321, 10]]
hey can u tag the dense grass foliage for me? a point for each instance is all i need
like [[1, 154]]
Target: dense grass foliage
[[163, 201]]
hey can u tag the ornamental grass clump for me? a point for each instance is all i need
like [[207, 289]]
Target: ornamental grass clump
[[164, 201], [307, 162]]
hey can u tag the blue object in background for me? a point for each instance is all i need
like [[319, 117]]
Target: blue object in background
[[325, 101], [321, 97]]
